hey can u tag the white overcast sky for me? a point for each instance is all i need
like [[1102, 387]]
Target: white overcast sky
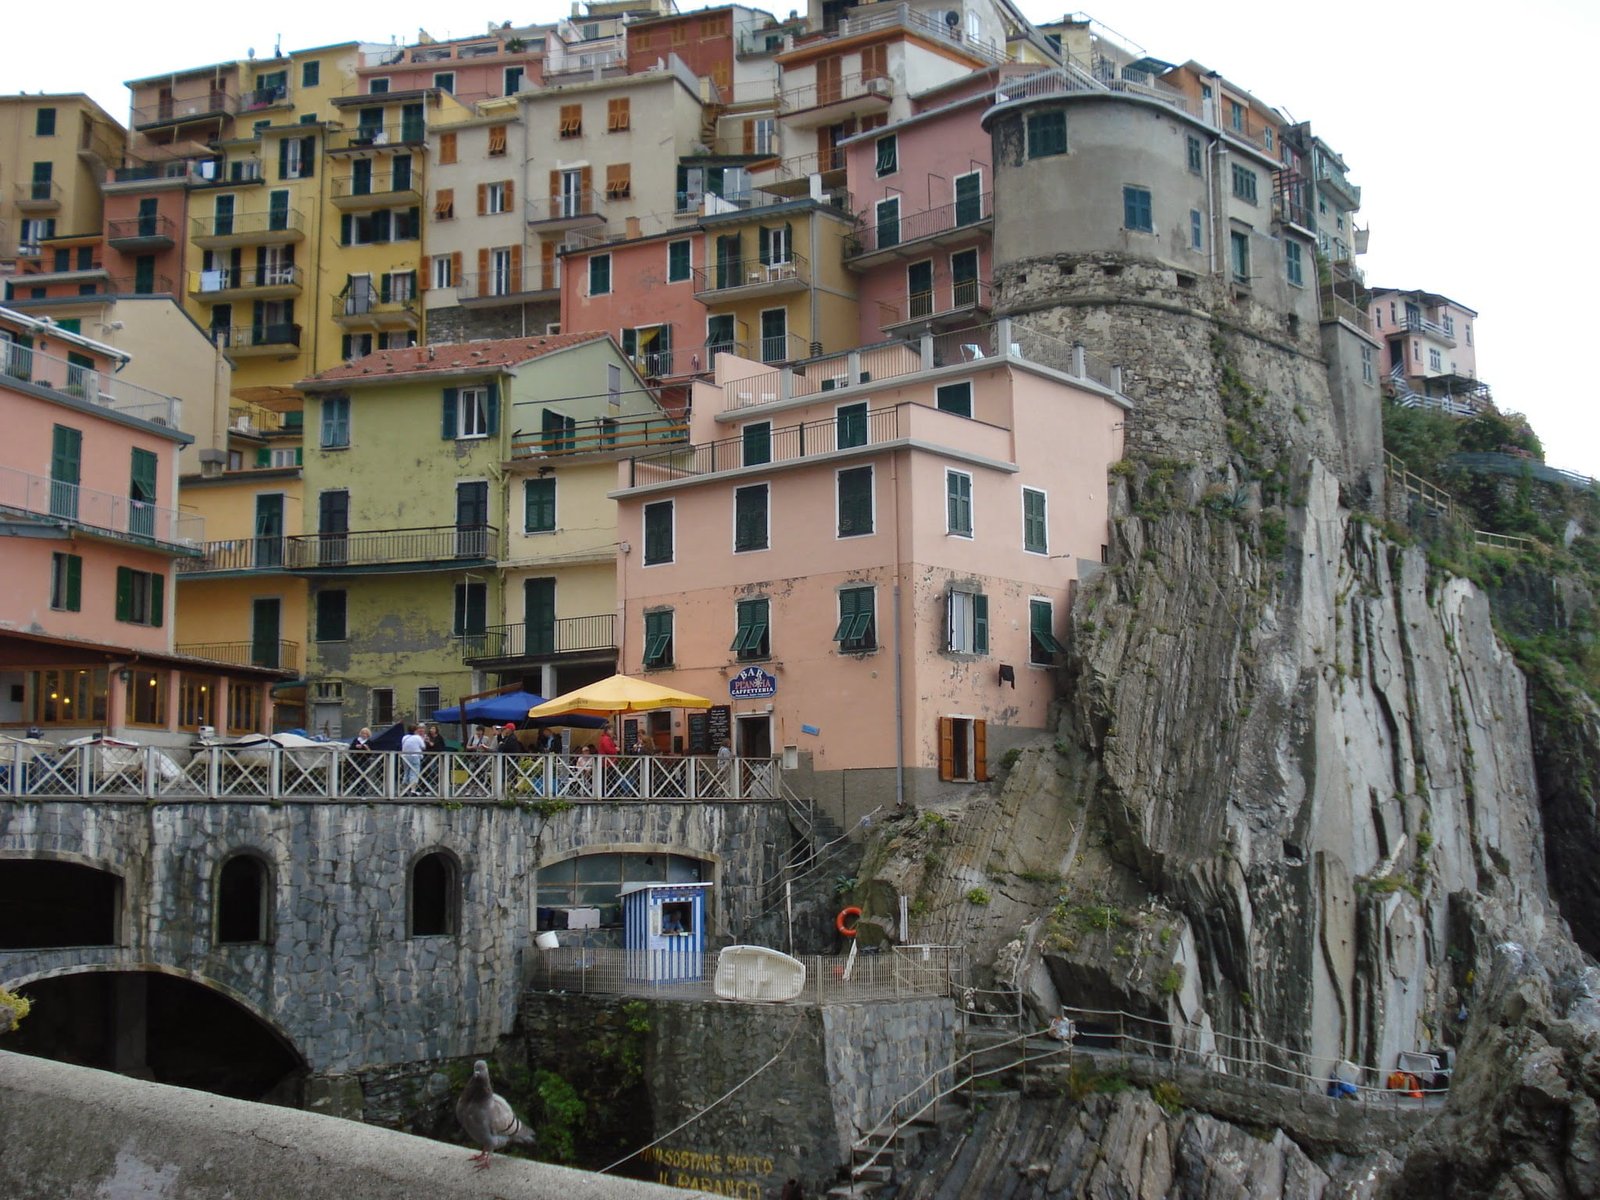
[[1460, 121]]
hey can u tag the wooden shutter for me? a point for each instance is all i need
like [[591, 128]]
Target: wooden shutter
[[516, 275], [947, 749], [980, 751], [448, 422], [980, 623], [444, 204], [158, 600], [874, 62], [447, 147], [283, 158], [124, 593], [308, 157], [547, 262], [617, 114], [483, 199], [618, 181], [492, 403], [74, 583], [497, 139], [483, 272], [511, 194], [585, 184]]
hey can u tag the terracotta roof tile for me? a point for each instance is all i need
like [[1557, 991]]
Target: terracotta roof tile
[[450, 357]]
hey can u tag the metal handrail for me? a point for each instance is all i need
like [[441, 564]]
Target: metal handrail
[[25, 365], [376, 547], [874, 235], [732, 274], [103, 512]]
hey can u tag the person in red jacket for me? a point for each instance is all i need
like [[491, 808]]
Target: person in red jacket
[[606, 745]]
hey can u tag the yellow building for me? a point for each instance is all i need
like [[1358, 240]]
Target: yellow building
[[54, 150], [773, 282]]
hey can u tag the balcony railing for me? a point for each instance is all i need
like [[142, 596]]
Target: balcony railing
[[354, 310], [116, 285], [385, 189], [255, 337], [565, 635], [238, 554], [23, 365], [965, 297], [1073, 79], [390, 547], [177, 109], [331, 771], [822, 93], [728, 275], [490, 286], [264, 97], [591, 437], [895, 359], [101, 512], [278, 655], [38, 193], [255, 420], [151, 229], [903, 16], [1340, 183], [246, 226], [780, 349], [581, 206], [785, 444], [285, 277], [875, 234], [1416, 323], [367, 137]]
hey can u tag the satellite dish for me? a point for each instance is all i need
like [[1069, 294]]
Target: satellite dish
[[952, 18]]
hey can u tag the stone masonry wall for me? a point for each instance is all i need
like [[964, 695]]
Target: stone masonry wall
[[338, 978], [457, 324]]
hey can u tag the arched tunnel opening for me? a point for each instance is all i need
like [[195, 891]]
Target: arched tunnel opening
[[159, 1027]]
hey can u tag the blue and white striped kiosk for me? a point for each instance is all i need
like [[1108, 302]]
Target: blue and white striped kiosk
[[664, 930]]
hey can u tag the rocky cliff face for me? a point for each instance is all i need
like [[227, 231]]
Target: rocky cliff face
[[1293, 797]]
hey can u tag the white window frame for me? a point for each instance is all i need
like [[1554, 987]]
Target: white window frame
[[950, 476], [494, 197], [962, 621], [672, 531], [444, 275], [500, 281], [1044, 496], [472, 413]]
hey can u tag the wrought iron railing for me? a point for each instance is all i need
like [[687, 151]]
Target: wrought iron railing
[[380, 547], [874, 234], [784, 444], [185, 108], [25, 365], [248, 224], [565, 635], [835, 91], [276, 654], [127, 228], [364, 137], [237, 554], [726, 275], [588, 437], [246, 337], [224, 279], [103, 512]]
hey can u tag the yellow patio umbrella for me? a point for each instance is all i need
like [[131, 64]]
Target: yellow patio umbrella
[[620, 693]]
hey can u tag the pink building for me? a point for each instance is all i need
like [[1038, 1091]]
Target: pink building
[[922, 189], [869, 556], [90, 534], [1428, 347], [647, 301]]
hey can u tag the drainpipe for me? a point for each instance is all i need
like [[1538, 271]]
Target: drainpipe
[[899, 652]]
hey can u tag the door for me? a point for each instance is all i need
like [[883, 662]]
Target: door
[[266, 616], [964, 278], [66, 458], [269, 531], [728, 261], [358, 295], [144, 275], [278, 210], [222, 218], [969, 198], [719, 336], [571, 194], [919, 289], [472, 519], [774, 334], [147, 217], [829, 79], [333, 529], [412, 128], [142, 494], [361, 177], [539, 616]]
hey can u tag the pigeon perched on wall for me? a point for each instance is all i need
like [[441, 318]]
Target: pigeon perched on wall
[[487, 1118]]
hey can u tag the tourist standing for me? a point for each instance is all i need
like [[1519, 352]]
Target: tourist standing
[[411, 748]]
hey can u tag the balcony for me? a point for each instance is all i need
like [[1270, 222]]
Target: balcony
[[245, 283], [237, 556], [827, 102], [128, 179], [262, 98], [423, 548], [38, 196], [508, 645], [79, 271], [22, 365], [1417, 323], [98, 146], [970, 301], [254, 421], [492, 289], [1073, 79], [116, 285], [223, 231], [258, 341], [175, 111], [880, 241], [793, 175], [103, 514], [782, 348], [600, 436], [577, 209], [275, 655], [351, 194], [903, 16], [751, 279], [369, 138], [1338, 183], [132, 234], [373, 312]]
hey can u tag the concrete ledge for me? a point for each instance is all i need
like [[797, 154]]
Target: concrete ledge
[[70, 1132]]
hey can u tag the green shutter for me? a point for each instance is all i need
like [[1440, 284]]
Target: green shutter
[[980, 623], [451, 395], [263, 457], [74, 583], [124, 593], [493, 404], [283, 158], [158, 607], [308, 157]]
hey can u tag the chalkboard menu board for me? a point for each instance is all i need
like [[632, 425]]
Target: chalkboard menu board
[[709, 729]]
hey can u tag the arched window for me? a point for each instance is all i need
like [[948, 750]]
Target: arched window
[[435, 896], [242, 900]]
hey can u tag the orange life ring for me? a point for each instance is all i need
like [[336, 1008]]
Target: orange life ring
[[851, 914]]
